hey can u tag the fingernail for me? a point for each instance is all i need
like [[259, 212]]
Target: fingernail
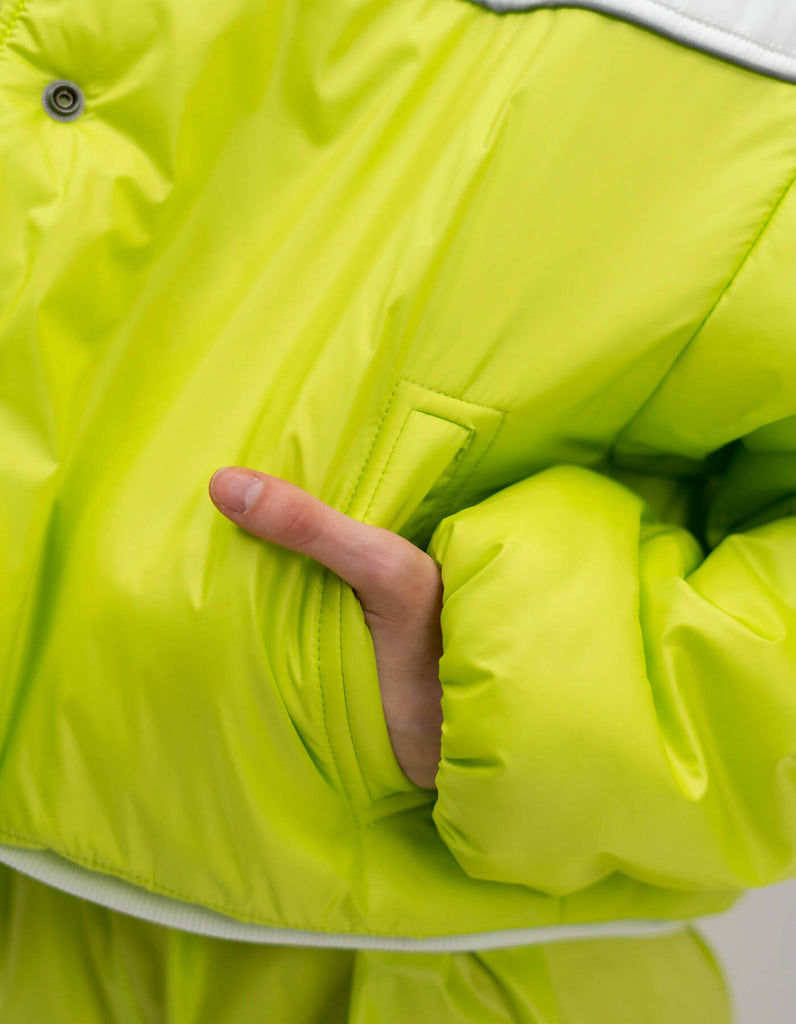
[[235, 489]]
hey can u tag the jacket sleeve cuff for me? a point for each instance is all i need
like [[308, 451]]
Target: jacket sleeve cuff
[[539, 622], [613, 699]]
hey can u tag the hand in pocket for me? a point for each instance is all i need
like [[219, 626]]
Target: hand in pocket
[[398, 585]]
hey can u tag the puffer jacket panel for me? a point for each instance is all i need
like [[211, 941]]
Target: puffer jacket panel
[[405, 255], [64, 960]]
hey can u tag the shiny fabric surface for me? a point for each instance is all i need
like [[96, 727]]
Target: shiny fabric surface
[[116, 969], [520, 289]]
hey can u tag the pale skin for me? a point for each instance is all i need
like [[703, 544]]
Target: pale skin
[[398, 585]]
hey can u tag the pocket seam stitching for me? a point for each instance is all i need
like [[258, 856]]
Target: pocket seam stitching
[[385, 467], [366, 815]]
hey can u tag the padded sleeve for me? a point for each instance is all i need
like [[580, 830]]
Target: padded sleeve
[[619, 695]]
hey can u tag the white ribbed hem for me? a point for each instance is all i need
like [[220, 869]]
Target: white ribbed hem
[[760, 34], [116, 894]]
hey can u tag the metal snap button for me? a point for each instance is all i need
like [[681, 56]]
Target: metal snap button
[[63, 100]]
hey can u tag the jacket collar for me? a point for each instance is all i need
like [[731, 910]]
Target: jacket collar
[[759, 34]]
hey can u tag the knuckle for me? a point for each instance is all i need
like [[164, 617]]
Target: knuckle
[[409, 577], [299, 525], [391, 566]]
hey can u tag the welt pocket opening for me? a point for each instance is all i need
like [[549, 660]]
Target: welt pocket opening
[[425, 448]]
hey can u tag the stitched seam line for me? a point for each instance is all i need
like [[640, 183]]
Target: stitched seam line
[[672, 11], [456, 398], [342, 582], [451, 487], [375, 819], [329, 744], [142, 880], [721, 29], [352, 494], [373, 495], [387, 464], [12, 22], [156, 887], [345, 703], [321, 676], [453, 495], [163, 890], [349, 501], [445, 419], [376, 436], [733, 277]]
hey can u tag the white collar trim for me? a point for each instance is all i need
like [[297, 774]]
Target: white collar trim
[[760, 34]]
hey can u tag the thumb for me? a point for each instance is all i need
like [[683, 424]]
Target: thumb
[[381, 566]]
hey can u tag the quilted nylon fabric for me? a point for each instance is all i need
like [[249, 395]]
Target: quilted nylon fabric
[[116, 968], [519, 289]]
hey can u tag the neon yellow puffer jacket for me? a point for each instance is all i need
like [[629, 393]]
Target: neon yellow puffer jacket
[[519, 287]]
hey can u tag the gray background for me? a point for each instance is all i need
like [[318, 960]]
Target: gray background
[[756, 944]]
